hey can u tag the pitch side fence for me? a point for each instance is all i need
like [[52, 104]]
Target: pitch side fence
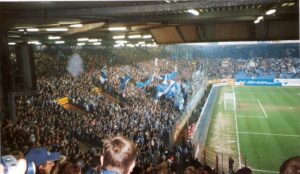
[[205, 116]]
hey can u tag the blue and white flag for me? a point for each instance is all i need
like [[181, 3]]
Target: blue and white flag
[[171, 91], [160, 90], [169, 76], [163, 89], [103, 75], [123, 82], [174, 89], [146, 83]]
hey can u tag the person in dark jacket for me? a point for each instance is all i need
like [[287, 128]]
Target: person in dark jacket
[[231, 162]]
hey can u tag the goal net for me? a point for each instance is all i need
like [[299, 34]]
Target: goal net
[[229, 101]]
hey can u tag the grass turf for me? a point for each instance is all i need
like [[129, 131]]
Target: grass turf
[[268, 123]]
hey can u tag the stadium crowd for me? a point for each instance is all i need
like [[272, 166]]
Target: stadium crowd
[[97, 114], [42, 122], [264, 68]]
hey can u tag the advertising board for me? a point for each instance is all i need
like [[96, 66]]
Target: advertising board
[[288, 82], [257, 82]]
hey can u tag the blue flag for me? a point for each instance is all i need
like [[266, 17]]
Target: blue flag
[[140, 84], [174, 93], [171, 76], [160, 90], [173, 90], [123, 83], [146, 83]]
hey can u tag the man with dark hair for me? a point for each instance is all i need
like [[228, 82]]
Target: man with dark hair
[[95, 166], [119, 155], [291, 166]]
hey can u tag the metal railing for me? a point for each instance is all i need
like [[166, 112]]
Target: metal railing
[[219, 161]]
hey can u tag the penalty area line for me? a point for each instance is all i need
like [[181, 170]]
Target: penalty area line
[[269, 134], [262, 107], [265, 171], [248, 116]]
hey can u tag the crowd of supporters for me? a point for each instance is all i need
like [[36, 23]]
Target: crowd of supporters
[[132, 112], [42, 122], [264, 68]]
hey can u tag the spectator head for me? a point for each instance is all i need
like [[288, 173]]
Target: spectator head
[[69, 168], [95, 162], [190, 170], [119, 155], [291, 166], [18, 154], [244, 170]]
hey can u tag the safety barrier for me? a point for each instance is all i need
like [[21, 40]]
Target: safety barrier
[[219, 161], [192, 103], [202, 124]]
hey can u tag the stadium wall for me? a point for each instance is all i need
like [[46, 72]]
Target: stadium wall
[[199, 136]]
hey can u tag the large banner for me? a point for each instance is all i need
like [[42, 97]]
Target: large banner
[[257, 82], [288, 82]]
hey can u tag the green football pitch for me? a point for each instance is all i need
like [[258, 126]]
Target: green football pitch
[[264, 127]]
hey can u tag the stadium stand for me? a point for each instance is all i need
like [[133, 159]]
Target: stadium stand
[[43, 122], [137, 114]]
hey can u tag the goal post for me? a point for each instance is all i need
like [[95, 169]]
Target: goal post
[[229, 101]]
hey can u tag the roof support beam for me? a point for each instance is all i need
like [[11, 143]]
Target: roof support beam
[[180, 33], [84, 28], [139, 9]]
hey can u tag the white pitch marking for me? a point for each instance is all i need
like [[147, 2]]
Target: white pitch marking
[[247, 99], [265, 171], [269, 134], [236, 129], [262, 107], [251, 116], [231, 141]]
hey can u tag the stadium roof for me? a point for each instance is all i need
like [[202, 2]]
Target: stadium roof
[[168, 22]]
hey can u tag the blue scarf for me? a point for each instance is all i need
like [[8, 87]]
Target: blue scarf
[[108, 172]]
